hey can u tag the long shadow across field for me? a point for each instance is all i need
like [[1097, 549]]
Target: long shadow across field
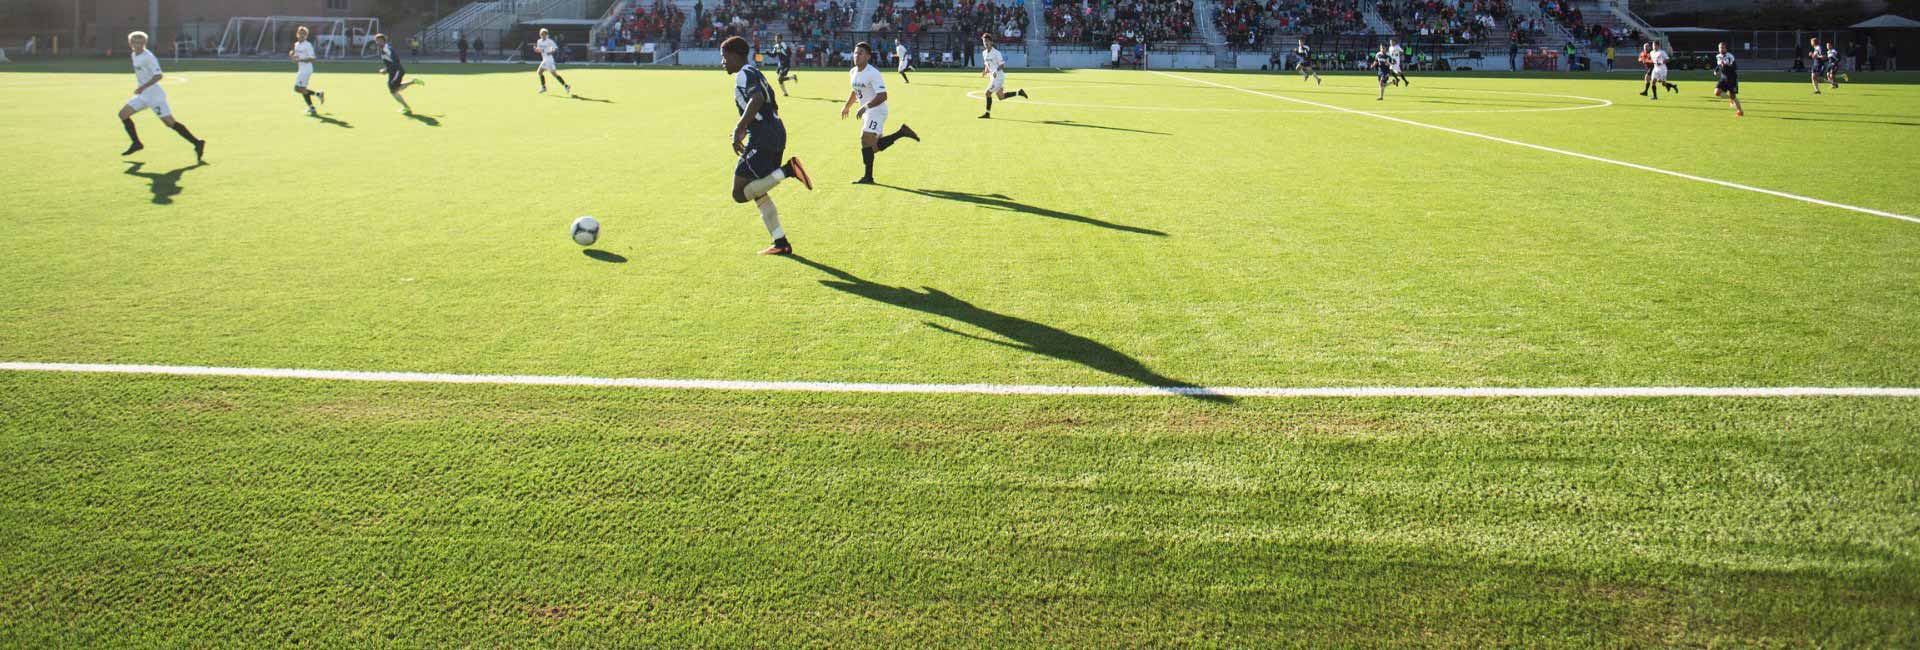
[[1004, 202], [164, 186], [1082, 125], [1022, 334]]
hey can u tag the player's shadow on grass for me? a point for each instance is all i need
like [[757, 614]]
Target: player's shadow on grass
[[1004, 202], [605, 256], [1084, 125], [1020, 334], [590, 99], [164, 186], [429, 120], [332, 122]]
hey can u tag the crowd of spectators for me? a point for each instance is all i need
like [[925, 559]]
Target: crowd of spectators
[[971, 17], [1102, 22], [1447, 22], [1248, 23], [660, 20], [732, 18], [1569, 16], [813, 18]]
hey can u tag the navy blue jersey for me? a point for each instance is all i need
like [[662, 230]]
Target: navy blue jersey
[[748, 83], [388, 57]]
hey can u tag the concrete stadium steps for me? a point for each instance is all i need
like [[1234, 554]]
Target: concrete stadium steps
[[1209, 32], [1039, 52], [1553, 35], [1376, 23], [863, 20]]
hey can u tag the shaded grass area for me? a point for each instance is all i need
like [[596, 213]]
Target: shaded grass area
[[153, 511]]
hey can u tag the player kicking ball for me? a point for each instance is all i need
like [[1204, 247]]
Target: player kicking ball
[[1306, 62], [303, 58], [546, 47], [906, 62], [759, 139], [993, 65], [870, 91], [397, 81], [1398, 55], [148, 95]]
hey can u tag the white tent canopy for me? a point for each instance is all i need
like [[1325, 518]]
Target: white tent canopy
[[1888, 21]]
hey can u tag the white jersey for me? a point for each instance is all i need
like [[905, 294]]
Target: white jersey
[[1395, 52], [1659, 58], [994, 62], [546, 47], [303, 55], [867, 84], [900, 52], [146, 66]]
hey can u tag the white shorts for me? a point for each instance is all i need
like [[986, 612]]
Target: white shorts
[[153, 98], [904, 62], [301, 78], [1659, 73], [999, 82], [875, 121], [1395, 68], [547, 65]]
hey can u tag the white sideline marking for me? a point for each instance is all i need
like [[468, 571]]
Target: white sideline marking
[[970, 389], [1517, 143], [1596, 102]]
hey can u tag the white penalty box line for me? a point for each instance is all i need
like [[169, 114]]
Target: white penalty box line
[[1563, 152], [965, 389]]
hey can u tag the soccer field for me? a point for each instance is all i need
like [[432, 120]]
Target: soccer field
[[1186, 244]]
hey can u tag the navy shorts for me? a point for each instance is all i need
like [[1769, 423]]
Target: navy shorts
[[1729, 83], [394, 76], [766, 147], [784, 68]]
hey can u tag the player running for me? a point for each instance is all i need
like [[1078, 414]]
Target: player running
[[1382, 66], [146, 70], [1729, 79], [785, 53], [396, 74], [303, 58], [906, 62], [759, 139], [1646, 65], [546, 47], [1816, 63], [1832, 57], [870, 91], [1306, 62], [993, 65], [1398, 55], [1659, 74]]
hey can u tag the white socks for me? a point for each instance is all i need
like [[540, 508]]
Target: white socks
[[770, 215], [759, 187]]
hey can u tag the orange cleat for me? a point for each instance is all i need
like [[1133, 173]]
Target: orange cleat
[[799, 173]]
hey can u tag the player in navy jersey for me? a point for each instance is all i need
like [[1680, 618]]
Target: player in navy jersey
[[1832, 57], [1383, 66], [785, 71], [1729, 87], [1306, 62], [760, 139], [397, 80]]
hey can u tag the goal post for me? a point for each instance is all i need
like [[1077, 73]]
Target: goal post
[[333, 37]]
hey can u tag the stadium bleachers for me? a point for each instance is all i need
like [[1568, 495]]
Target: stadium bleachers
[[1091, 22]]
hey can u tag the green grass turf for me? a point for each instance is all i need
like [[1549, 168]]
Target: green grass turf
[[1165, 232]]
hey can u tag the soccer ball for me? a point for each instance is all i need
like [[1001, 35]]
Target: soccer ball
[[586, 231]]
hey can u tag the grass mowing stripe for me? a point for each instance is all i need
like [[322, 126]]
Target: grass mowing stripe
[[1610, 161], [972, 389]]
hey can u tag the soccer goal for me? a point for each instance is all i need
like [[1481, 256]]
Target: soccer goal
[[333, 37]]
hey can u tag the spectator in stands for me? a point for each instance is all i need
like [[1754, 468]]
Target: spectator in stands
[[1609, 58], [1116, 55], [1893, 58], [463, 47], [1513, 55]]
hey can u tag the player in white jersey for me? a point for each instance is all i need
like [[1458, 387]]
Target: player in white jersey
[[905, 61], [1816, 65], [993, 66], [1398, 56], [1832, 57], [303, 57], [546, 47], [1306, 61], [1659, 58], [148, 95], [870, 92]]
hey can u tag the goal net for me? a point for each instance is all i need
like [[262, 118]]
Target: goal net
[[270, 36]]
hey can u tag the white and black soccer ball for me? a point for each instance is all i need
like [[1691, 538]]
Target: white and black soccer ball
[[586, 231]]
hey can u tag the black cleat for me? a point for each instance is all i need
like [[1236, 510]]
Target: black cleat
[[132, 148], [907, 132], [986, 116], [1023, 93], [200, 150], [865, 181]]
